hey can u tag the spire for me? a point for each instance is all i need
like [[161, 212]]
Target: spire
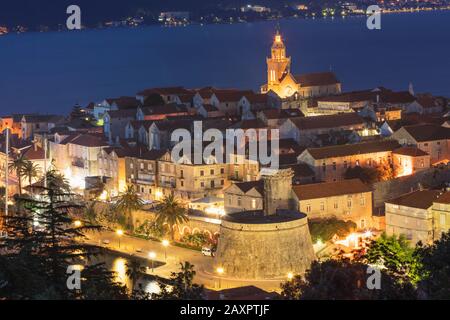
[[278, 34]]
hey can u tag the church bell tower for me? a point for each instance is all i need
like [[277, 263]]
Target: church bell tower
[[278, 65]]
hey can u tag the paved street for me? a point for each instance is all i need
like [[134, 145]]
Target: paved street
[[204, 265]]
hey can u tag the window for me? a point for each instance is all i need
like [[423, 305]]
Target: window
[[181, 174], [150, 167], [324, 167], [132, 176], [442, 219], [362, 223], [336, 205], [308, 207], [142, 190], [362, 201], [142, 166], [322, 206], [222, 182], [202, 173], [213, 184], [202, 184], [239, 201], [182, 183], [229, 201], [131, 165], [222, 170], [349, 202], [253, 203], [211, 172], [357, 162]]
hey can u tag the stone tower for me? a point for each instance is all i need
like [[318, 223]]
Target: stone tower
[[277, 189], [266, 244]]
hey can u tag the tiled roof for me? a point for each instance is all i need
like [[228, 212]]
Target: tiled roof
[[410, 151], [282, 113], [248, 185], [88, 140], [328, 121], [421, 199], [33, 153], [428, 132], [316, 79], [123, 113], [257, 98], [330, 189], [353, 149], [165, 109], [231, 95], [125, 102], [444, 198]]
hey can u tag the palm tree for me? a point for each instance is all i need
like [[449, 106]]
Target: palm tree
[[30, 170], [127, 202], [172, 213], [17, 165], [133, 271]]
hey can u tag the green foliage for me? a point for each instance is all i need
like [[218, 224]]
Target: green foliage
[[435, 267], [151, 229], [397, 256], [325, 229], [342, 280], [127, 202], [42, 243], [182, 286], [171, 213], [365, 174], [196, 239]]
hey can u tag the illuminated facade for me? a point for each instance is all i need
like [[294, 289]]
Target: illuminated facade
[[281, 81]]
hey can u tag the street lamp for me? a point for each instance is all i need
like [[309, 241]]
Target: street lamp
[[152, 256], [165, 244], [220, 272], [77, 223], [119, 233], [290, 275]]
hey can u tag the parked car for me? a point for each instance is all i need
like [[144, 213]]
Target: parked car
[[206, 251]]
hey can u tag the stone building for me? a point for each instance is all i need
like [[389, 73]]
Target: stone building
[[420, 215], [344, 200], [330, 163]]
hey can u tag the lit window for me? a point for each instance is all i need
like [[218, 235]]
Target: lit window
[[253, 203]]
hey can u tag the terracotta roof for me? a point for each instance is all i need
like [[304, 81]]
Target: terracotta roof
[[410, 151], [123, 113], [33, 153], [428, 132], [231, 95], [248, 185], [282, 113], [421, 199], [256, 98], [353, 149], [328, 121], [88, 140], [316, 79], [165, 109], [330, 189], [444, 198], [125, 102]]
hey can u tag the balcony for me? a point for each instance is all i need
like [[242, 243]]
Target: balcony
[[148, 179]]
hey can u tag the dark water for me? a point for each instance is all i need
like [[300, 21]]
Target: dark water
[[50, 72]]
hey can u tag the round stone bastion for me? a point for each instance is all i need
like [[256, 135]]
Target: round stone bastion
[[254, 246]]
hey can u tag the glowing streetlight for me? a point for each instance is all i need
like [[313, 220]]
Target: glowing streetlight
[[290, 275], [77, 223], [165, 244], [119, 233], [152, 256], [220, 272]]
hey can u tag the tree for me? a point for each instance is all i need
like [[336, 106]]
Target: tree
[[171, 212], [30, 170], [325, 229], [342, 280], [182, 286], [196, 239], [151, 229], [127, 202], [134, 271], [366, 175], [435, 266], [42, 243], [17, 165], [395, 254]]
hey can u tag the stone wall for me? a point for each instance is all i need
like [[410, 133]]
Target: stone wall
[[264, 251], [387, 190]]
